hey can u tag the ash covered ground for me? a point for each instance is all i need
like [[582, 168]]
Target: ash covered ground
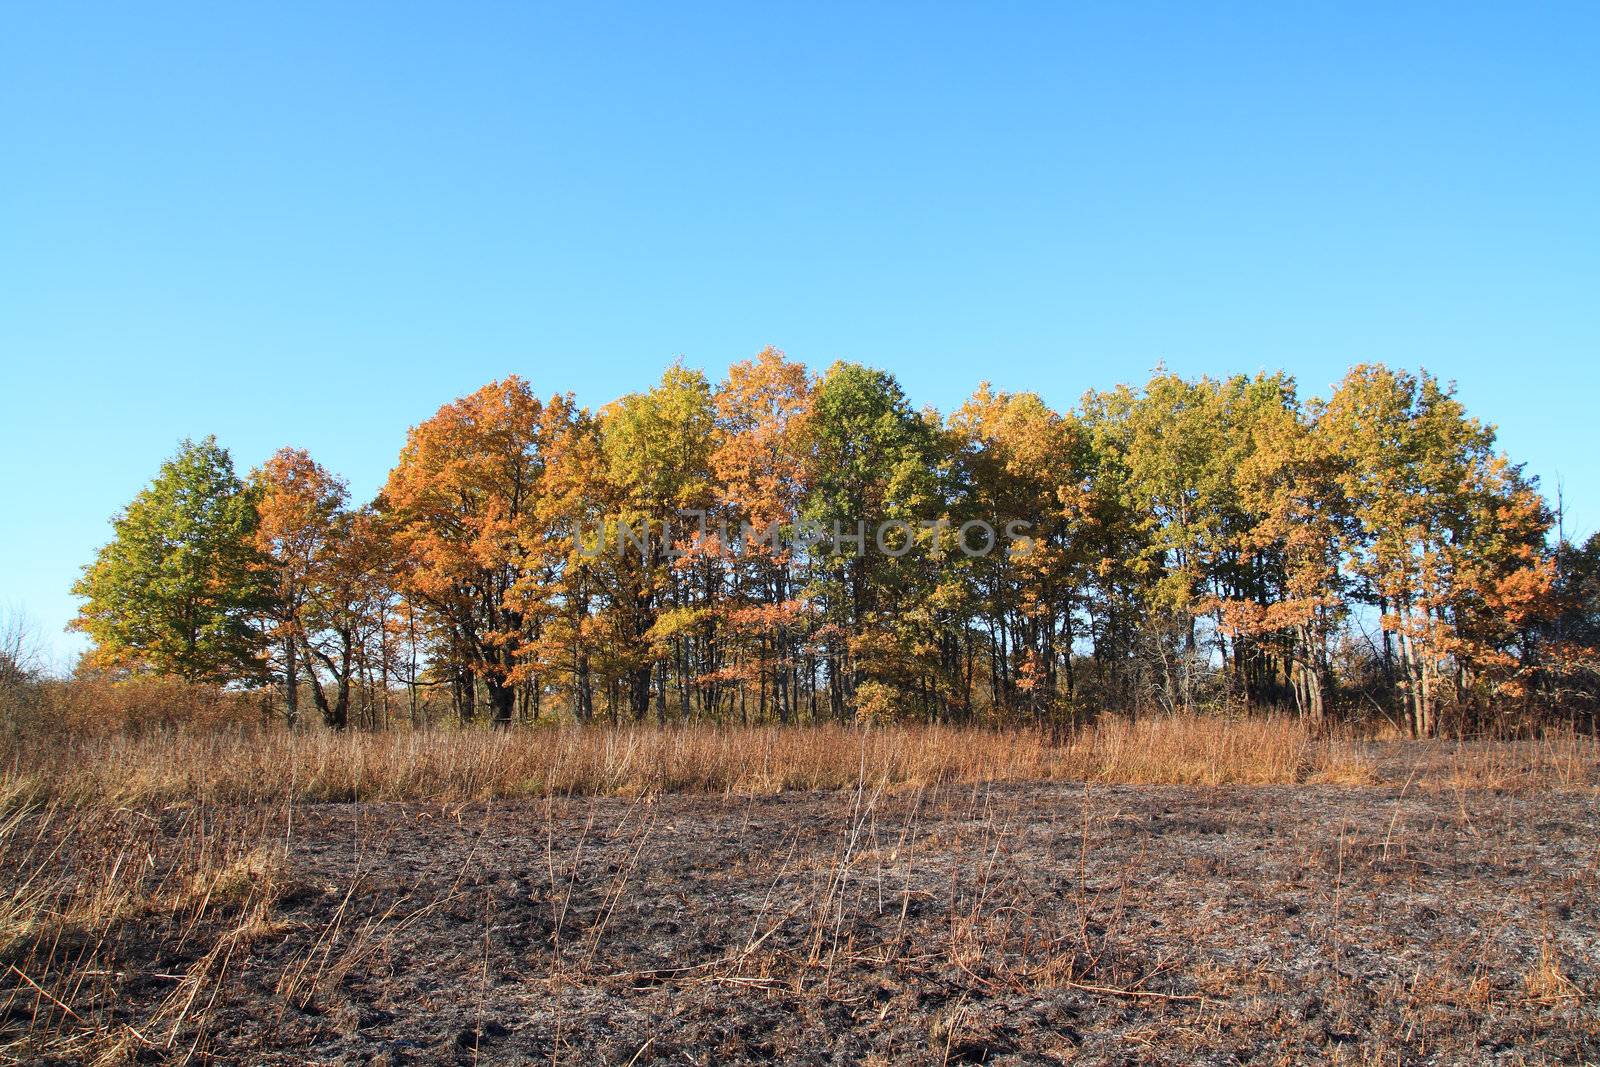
[[960, 924]]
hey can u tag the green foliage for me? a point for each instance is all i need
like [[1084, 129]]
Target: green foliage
[[658, 443], [1579, 590], [870, 459], [179, 585], [870, 455]]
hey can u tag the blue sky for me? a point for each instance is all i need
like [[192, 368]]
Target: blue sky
[[312, 224]]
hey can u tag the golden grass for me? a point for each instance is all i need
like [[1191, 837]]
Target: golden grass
[[248, 765], [253, 766]]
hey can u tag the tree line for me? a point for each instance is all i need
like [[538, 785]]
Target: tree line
[[1188, 544]]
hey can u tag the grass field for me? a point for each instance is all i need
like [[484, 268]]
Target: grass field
[[1183, 891]]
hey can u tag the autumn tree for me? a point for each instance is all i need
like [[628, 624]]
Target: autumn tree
[[759, 469], [1026, 468], [1285, 594], [1163, 499], [459, 502], [299, 502], [346, 609], [562, 572], [1501, 585], [783, 547], [1428, 496]]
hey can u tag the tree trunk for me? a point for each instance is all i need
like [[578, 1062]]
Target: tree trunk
[[291, 683], [584, 711], [639, 692], [502, 701]]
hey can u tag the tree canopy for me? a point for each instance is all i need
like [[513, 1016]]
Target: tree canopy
[[796, 547], [177, 588]]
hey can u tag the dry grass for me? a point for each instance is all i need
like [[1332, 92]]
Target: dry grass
[[252, 765], [1547, 981], [85, 889], [1558, 760], [157, 886], [101, 706], [247, 765]]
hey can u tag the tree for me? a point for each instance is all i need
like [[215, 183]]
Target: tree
[[787, 547], [561, 568], [1446, 534], [300, 503], [460, 502], [176, 589], [870, 460], [346, 607], [1502, 585], [758, 465], [1163, 508], [1568, 641], [21, 662], [1578, 570], [1026, 463], [657, 449], [1286, 594]]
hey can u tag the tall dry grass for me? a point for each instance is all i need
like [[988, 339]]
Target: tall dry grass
[[248, 765], [99, 705], [253, 765]]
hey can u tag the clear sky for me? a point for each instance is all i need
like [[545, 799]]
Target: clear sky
[[311, 224]]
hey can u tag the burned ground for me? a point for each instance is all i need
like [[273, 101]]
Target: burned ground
[[1020, 923]]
